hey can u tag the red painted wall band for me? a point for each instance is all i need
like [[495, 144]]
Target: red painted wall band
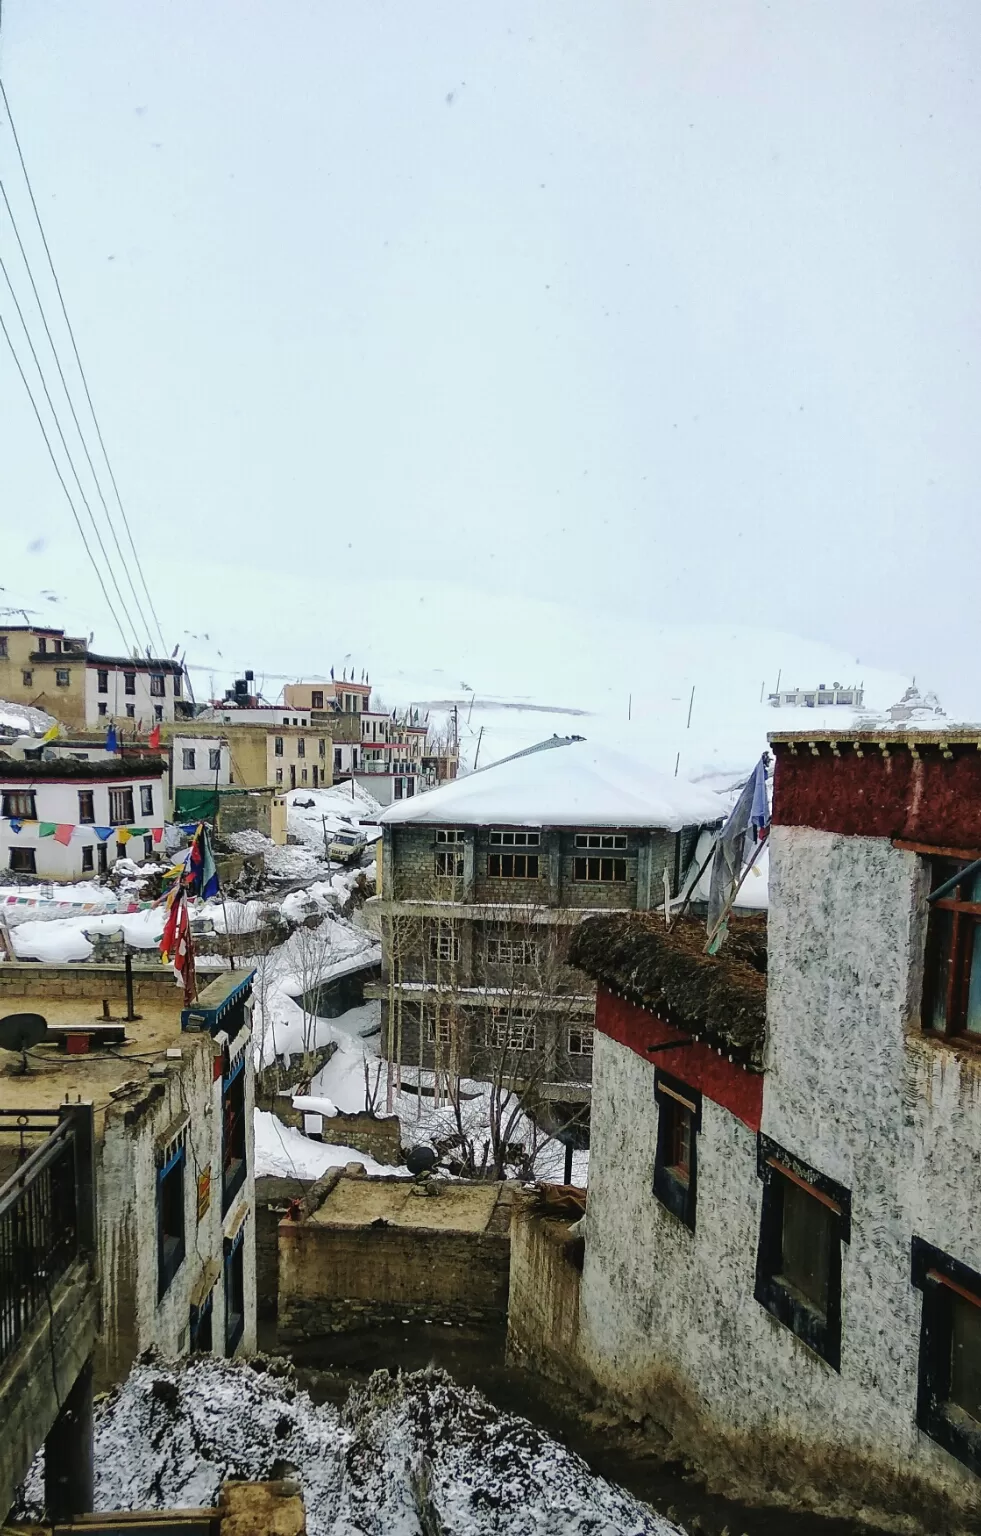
[[718, 1079], [927, 799]]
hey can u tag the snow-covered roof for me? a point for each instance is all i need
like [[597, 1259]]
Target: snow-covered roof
[[578, 784]]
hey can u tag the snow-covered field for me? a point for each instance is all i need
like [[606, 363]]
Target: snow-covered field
[[405, 1456]]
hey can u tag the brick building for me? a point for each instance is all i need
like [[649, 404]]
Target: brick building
[[483, 880]]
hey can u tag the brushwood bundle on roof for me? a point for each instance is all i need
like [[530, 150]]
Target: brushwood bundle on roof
[[721, 997]]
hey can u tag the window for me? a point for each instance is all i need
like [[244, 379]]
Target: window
[[3, 645], [177, 686], [158, 713], [337, 759], [948, 1399], [449, 863], [512, 866], [86, 807], [513, 951], [580, 1040], [102, 709], [156, 685], [23, 861], [148, 846], [301, 746], [42, 645], [18, 805], [102, 854], [515, 839], [450, 835], [279, 775], [102, 680], [170, 1217], [200, 1329], [129, 682], [316, 699], [188, 758], [131, 711], [444, 942], [120, 807], [88, 858], [601, 840], [234, 1293], [805, 1219], [322, 747], [146, 799], [63, 677], [214, 759], [679, 1118], [952, 990], [233, 1131], [602, 871], [439, 1028], [303, 776], [278, 746], [512, 1029], [28, 679]]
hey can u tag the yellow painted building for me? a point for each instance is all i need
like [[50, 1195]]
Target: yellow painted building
[[270, 755]]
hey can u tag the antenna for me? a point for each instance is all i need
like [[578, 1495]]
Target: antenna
[[19, 1032]]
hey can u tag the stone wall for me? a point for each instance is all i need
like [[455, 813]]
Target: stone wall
[[543, 1309], [272, 1201], [36, 979], [332, 1279]]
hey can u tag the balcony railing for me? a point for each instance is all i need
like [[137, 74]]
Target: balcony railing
[[46, 1212]]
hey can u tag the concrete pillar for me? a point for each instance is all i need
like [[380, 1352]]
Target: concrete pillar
[[69, 1468], [553, 855], [469, 863], [644, 871]]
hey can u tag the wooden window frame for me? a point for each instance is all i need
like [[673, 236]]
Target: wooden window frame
[[941, 1277], [444, 943], [585, 1032], [101, 680], [820, 1331], [114, 819], [519, 838], [675, 1185], [146, 799], [23, 853], [171, 1248], [513, 866], [588, 870], [528, 951], [512, 1029], [12, 796], [86, 810], [450, 835], [129, 683], [965, 920], [602, 841], [448, 864], [192, 753], [158, 686]]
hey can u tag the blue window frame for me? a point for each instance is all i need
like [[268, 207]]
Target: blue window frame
[[234, 1291], [170, 1218], [233, 1132]]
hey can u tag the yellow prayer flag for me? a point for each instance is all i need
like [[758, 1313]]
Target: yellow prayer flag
[[52, 733]]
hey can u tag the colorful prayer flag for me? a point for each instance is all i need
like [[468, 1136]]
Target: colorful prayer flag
[[123, 835], [154, 738], [158, 833], [102, 833], [52, 733], [46, 828], [112, 740], [63, 833]]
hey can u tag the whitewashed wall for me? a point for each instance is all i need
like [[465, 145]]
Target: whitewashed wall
[[57, 800], [116, 699], [201, 775], [669, 1324]]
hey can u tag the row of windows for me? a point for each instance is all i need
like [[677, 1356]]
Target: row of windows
[[525, 839], [158, 686], [158, 713], [189, 758], [527, 866], [805, 1218], [511, 1029], [21, 805], [301, 746], [94, 857], [304, 777], [444, 944]]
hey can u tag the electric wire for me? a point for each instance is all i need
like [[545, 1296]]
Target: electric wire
[[81, 370], [71, 462], [71, 407], [57, 470]]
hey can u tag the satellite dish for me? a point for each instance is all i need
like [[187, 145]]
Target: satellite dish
[[421, 1160], [21, 1031]]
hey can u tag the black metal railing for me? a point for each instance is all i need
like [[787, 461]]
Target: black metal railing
[[43, 1216]]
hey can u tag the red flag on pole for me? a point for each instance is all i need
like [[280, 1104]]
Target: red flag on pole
[[154, 738]]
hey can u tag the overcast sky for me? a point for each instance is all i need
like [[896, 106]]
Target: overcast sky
[[649, 306]]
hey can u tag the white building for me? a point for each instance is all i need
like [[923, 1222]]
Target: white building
[[819, 697], [121, 688], [197, 762], [782, 1258], [173, 1096], [65, 819]]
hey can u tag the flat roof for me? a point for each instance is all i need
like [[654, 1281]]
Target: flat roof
[[357, 1201], [94, 769], [891, 735]]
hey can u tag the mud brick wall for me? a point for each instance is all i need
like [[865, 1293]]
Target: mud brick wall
[[378, 1136], [333, 1279], [272, 1199], [543, 1315], [35, 979]]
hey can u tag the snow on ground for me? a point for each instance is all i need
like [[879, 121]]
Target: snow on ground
[[308, 958], [24, 719], [343, 806], [60, 940], [284, 1153], [406, 1455], [281, 863]]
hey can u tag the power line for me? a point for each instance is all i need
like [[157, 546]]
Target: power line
[[57, 470], [71, 407], [81, 370], [71, 463]]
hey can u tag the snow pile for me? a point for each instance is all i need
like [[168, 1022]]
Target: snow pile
[[409, 1455], [63, 942], [309, 958], [573, 784], [23, 719], [281, 863], [341, 808], [283, 1153]]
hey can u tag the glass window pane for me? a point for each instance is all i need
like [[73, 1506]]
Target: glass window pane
[[808, 1231], [941, 935], [973, 1021], [965, 1356]]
